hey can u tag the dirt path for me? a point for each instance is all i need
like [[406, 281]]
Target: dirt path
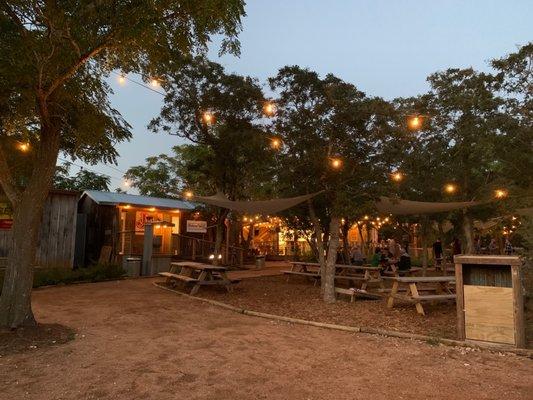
[[135, 341]]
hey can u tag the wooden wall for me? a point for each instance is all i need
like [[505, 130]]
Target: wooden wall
[[58, 230]]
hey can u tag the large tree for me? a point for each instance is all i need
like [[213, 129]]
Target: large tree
[[54, 61], [222, 115], [334, 139]]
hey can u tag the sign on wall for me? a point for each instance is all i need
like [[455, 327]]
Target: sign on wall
[[144, 217], [194, 226], [6, 216]]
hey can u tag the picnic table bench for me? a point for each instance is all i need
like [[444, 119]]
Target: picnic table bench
[[440, 284], [198, 274]]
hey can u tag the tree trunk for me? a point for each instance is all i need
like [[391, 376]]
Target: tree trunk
[[345, 244], [219, 237], [15, 301], [469, 234], [319, 242], [328, 275]]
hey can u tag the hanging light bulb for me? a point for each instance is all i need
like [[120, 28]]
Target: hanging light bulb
[[450, 188], [188, 194], [275, 143], [154, 82], [336, 163], [121, 80], [208, 118], [24, 147], [415, 122], [500, 193], [269, 109], [397, 176]]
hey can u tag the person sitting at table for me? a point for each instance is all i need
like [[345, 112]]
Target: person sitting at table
[[404, 263], [356, 256], [376, 258]]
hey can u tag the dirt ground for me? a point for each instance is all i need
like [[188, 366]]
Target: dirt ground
[[135, 341], [300, 299]]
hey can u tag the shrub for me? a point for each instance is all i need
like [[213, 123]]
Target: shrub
[[55, 276]]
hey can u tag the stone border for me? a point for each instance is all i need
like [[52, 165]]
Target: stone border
[[354, 329]]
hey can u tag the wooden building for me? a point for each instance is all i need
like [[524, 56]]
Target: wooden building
[[111, 226], [58, 229]]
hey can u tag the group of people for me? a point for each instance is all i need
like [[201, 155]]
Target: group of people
[[388, 252]]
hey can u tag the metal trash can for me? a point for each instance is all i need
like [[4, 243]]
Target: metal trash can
[[132, 266], [260, 261]]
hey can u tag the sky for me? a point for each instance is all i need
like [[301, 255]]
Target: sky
[[386, 48]]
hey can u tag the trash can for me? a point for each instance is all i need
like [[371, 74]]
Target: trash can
[[132, 266], [260, 261]]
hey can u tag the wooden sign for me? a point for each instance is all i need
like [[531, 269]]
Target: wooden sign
[[194, 226]]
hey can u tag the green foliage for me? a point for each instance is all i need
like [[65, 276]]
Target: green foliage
[[230, 155], [319, 121], [56, 276], [83, 180]]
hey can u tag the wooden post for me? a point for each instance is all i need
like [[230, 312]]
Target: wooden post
[[460, 302], [148, 247], [518, 308], [193, 255]]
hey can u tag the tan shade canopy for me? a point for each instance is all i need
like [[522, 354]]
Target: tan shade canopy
[[254, 207], [405, 207]]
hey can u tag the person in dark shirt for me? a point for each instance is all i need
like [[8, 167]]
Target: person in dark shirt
[[456, 246], [437, 251], [376, 258]]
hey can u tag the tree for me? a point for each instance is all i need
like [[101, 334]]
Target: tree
[[83, 180], [54, 58], [222, 115], [334, 138]]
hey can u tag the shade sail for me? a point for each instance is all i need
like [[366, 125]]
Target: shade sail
[[254, 207], [406, 207]]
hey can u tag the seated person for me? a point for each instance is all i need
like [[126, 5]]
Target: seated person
[[356, 256], [376, 258], [404, 263]]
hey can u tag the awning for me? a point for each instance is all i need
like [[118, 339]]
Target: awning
[[387, 205], [254, 207]]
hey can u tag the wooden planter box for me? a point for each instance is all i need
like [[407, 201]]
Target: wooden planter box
[[490, 305]]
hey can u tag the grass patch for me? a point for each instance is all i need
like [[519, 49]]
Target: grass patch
[[55, 276]]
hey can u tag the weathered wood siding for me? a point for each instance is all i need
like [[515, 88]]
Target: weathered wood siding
[[58, 230]]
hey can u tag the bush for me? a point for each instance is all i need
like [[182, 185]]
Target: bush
[[55, 276]]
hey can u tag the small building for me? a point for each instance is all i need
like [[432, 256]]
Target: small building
[[58, 229], [111, 226]]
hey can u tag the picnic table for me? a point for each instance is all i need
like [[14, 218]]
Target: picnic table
[[198, 274], [301, 268], [439, 284]]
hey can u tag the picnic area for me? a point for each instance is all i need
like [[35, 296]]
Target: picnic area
[[132, 340]]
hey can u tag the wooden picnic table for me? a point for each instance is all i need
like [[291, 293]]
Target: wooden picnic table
[[440, 284], [198, 274], [308, 269]]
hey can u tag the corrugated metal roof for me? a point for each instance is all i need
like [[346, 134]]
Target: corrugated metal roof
[[110, 198]]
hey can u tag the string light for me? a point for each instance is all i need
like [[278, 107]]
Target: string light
[[275, 143], [24, 147], [415, 122], [336, 163], [188, 194], [208, 118], [121, 80], [450, 188], [397, 176], [127, 183], [154, 82], [500, 193], [269, 109]]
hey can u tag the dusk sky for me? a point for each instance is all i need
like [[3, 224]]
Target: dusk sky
[[385, 48]]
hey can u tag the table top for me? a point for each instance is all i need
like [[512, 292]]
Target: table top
[[197, 265], [416, 279], [358, 267], [313, 264]]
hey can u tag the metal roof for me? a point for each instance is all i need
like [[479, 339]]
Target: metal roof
[[110, 198]]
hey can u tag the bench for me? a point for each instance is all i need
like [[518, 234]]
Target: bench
[[170, 276], [440, 284]]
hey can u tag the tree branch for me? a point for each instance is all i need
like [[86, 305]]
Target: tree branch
[[74, 68], [6, 178]]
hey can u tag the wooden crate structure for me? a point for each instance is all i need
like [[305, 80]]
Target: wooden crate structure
[[490, 305]]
